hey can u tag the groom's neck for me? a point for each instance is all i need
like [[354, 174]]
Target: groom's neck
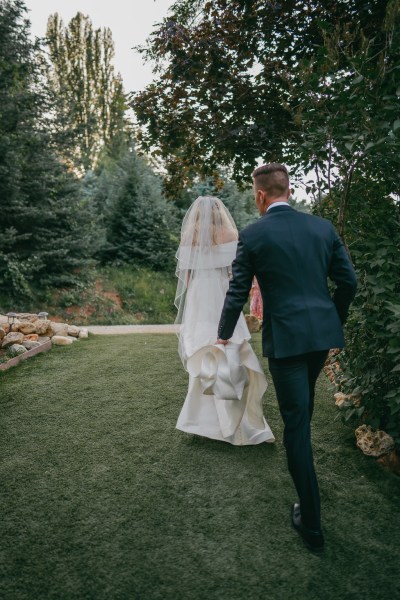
[[271, 201]]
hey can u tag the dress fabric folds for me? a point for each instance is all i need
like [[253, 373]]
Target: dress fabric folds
[[226, 383]]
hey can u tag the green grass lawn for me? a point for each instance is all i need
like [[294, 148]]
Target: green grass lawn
[[101, 498]]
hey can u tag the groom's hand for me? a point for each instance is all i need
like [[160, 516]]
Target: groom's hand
[[223, 342]]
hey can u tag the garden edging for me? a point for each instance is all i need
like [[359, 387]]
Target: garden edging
[[13, 362]]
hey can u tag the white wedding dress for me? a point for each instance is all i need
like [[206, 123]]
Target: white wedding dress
[[206, 411]]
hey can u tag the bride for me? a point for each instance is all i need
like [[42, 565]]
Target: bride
[[226, 383]]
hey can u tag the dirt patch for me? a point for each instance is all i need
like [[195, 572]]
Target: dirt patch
[[84, 311], [110, 302], [113, 296]]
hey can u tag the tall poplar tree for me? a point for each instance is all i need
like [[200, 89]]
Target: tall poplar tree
[[90, 108]]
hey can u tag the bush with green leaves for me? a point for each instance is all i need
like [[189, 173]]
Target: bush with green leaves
[[371, 360], [370, 363]]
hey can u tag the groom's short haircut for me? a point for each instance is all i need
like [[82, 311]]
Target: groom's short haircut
[[272, 178]]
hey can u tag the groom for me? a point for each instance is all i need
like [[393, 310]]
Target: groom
[[292, 254]]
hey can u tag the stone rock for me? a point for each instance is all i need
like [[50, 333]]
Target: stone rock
[[373, 443], [31, 317], [2, 333], [14, 328], [29, 344], [44, 338], [59, 328], [27, 327], [4, 321], [32, 337], [83, 333], [332, 366], [73, 331], [17, 349], [43, 326], [15, 337], [253, 323], [62, 340], [340, 398]]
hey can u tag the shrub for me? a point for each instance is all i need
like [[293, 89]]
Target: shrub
[[371, 361]]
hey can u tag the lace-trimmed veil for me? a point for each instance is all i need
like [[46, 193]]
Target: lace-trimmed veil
[[208, 231]]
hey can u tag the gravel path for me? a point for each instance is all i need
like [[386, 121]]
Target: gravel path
[[123, 329]]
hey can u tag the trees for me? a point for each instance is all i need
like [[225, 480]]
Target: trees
[[349, 119], [230, 78], [314, 84], [90, 106], [349, 112], [240, 203], [44, 229], [139, 224]]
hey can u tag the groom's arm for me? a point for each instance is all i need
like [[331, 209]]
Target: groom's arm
[[239, 289]]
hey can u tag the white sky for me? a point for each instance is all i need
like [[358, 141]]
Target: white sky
[[130, 21]]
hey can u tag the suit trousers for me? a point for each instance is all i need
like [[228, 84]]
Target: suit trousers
[[294, 380]]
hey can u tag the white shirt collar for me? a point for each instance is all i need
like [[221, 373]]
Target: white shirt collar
[[279, 203]]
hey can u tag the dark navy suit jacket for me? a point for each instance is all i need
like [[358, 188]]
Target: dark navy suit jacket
[[292, 254]]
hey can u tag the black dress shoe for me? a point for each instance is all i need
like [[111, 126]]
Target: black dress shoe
[[312, 538]]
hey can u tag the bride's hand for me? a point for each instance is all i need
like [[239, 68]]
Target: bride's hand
[[223, 342]]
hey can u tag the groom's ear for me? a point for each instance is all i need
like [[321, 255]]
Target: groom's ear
[[260, 200]]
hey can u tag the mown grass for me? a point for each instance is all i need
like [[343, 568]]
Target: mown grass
[[103, 499]]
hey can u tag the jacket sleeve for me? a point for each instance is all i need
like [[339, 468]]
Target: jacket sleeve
[[342, 273], [238, 293]]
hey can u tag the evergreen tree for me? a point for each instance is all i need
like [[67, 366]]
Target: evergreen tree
[[140, 225], [90, 105], [240, 203], [43, 226]]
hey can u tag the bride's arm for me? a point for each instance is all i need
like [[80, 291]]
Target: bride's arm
[[227, 235], [239, 288]]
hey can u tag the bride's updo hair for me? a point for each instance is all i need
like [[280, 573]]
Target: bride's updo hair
[[208, 223]]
